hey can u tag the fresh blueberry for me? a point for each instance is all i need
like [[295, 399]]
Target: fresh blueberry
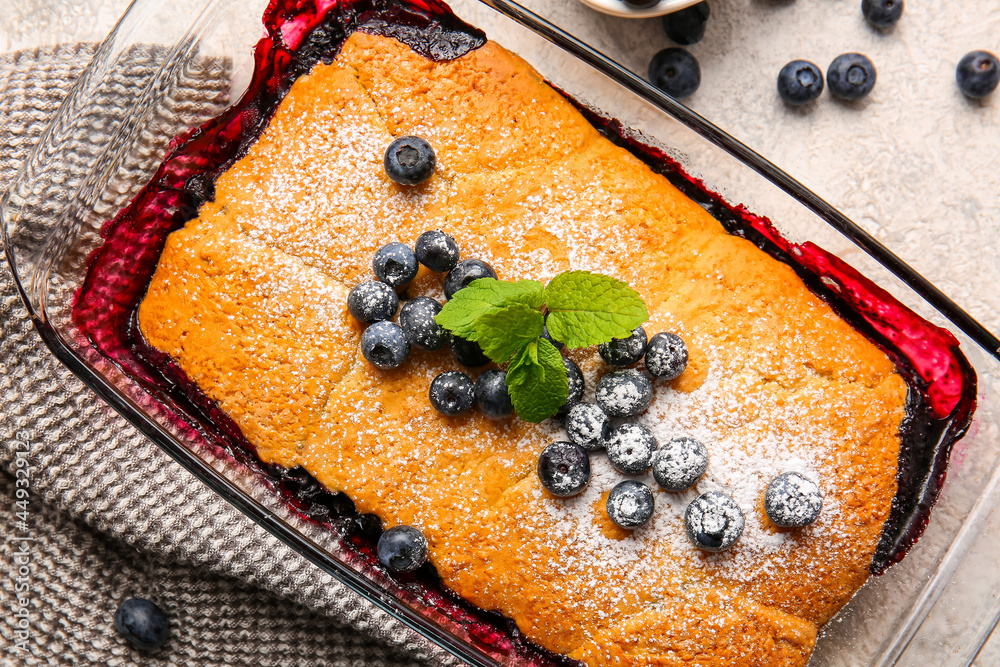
[[624, 351], [882, 13], [372, 301], [713, 521], [492, 396], [978, 74], [575, 380], [467, 352], [624, 393], [564, 469], [687, 26], [792, 500], [452, 393], [588, 426], [437, 251], [409, 160], [800, 82], [675, 72], [630, 448], [464, 273], [395, 264], [142, 623], [679, 463], [666, 356], [851, 76], [630, 504], [548, 337], [417, 320], [384, 345], [402, 549]]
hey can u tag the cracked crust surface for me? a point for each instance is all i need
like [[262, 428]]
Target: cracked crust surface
[[250, 299]]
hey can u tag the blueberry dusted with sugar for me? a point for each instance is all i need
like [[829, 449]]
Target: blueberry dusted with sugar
[[666, 356], [564, 469], [713, 521], [492, 395], [851, 76], [630, 504], [467, 352], [882, 13], [679, 463], [372, 301], [452, 393], [978, 74], [464, 273], [574, 380], [437, 251], [587, 425], [624, 393], [800, 82], [142, 623], [409, 160], [395, 264], [630, 448], [384, 345], [402, 549], [792, 500], [417, 321], [675, 72], [687, 26], [624, 351]]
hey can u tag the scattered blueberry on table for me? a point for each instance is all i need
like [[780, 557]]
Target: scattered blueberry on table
[[452, 393], [409, 160], [384, 345], [800, 82], [792, 500], [676, 72], [417, 321], [851, 76], [142, 623], [713, 521], [437, 251], [687, 26], [564, 469], [882, 13], [464, 273], [588, 425], [978, 74], [624, 351], [679, 463], [630, 504], [630, 448], [402, 549], [491, 394]]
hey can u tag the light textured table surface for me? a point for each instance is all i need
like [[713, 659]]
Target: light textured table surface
[[915, 163]]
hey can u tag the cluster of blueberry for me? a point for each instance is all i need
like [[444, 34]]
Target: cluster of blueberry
[[713, 521], [850, 76]]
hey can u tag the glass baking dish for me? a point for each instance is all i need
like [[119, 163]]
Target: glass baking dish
[[166, 69]]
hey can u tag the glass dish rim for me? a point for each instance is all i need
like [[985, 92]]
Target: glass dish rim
[[309, 549]]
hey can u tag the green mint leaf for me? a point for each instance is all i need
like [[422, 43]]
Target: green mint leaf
[[589, 308], [536, 380], [460, 314], [506, 329]]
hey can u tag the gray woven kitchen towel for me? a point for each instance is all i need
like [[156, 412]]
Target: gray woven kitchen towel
[[109, 515]]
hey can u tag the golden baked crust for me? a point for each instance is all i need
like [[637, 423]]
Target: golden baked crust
[[250, 299]]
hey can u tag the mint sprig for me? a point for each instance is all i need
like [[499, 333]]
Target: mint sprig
[[506, 319]]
